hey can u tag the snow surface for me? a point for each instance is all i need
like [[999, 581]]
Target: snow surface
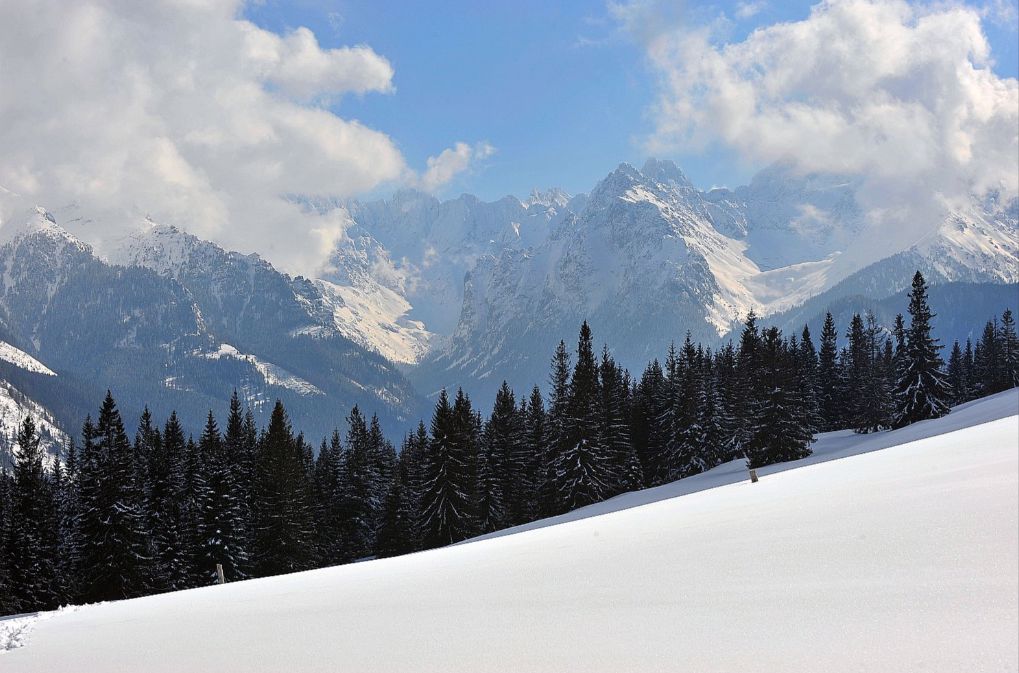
[[274, 375], [900, 559], [20, 358], [376, 317]]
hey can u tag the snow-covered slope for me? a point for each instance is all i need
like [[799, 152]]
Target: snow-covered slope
[[14, 407], [397, 275], [23, 360], [900, 559]]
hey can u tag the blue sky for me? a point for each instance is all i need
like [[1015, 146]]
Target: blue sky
[[557, 88]]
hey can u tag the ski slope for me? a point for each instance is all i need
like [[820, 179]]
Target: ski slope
[[900, 559]]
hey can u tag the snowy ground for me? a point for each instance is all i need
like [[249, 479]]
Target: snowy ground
[[900, 559]]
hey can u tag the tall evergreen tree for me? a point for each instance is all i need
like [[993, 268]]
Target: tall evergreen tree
[[283, 527], [115, 558], [921, 390], [555, 435], [828, 377], [447, 514], [330, 496], [33, 567], [956, 376], [583, 467], [223, 523], [165, 500], [1009, 343], [614, 426], [779, 430]]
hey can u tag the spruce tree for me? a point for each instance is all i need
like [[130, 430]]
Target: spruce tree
[[555, 432], [69, 539], [446, 486], [33, 568], [828, 377], [361, 488], [502, 467], [330, 495], [9, 603], [921, 389], [223, 525], [615, 427], [114, 559], [1009, 344], [583, 468], [396, 530], [956, 377], [532, 446], [283, 527], [165, 500], [779, 431]]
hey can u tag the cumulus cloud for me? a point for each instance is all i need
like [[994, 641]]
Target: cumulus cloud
[[901, 94], [451, 162], [185, 112]]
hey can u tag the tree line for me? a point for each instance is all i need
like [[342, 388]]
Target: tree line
[[117, 518]]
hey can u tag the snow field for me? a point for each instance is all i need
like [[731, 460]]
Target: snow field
[[894, 560]]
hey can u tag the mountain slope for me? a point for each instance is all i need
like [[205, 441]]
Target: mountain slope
[[648, 257], [179, 323], [904, 558]]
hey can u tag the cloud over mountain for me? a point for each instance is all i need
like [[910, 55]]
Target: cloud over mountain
[[903, 94], [186, 112]]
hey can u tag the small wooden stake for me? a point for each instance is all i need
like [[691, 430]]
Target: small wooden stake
[[222, 579], [753, 476]]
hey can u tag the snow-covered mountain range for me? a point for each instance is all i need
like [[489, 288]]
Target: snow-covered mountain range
[[645, 257], [168, 320], [421, 293]]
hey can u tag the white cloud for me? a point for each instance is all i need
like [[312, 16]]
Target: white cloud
[[451, 162], [901, 94], [746, 10], [185, 112]]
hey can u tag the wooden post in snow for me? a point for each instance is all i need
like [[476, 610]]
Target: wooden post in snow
[[753, 476], [219, 574]]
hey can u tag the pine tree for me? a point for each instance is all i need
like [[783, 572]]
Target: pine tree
[[684, 453], [238, 457], [447, 514], [583, 468], [114, 558], [9, 603], [330, 496], [69, 540], [956, 377], [615, 428], [223, 514], [165, 499], [921, 389], [361, 494], [502, 467], [32, 570], [396, 531], [283, 528], [751, 387], [779, 432], [828, 377], [1009, 344], [806, 380], [555, 434], [646, 434], [535, 445], [969, 371]]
